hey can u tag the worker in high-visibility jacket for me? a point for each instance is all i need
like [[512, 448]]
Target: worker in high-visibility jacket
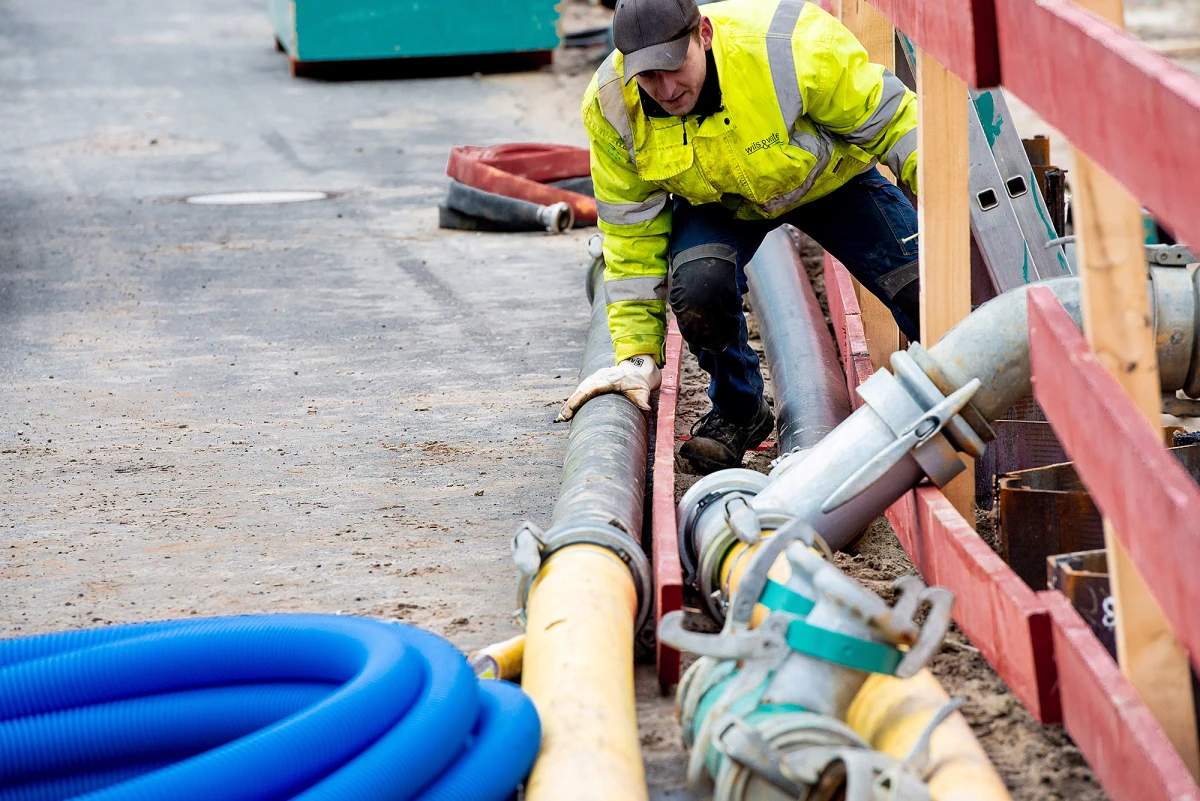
[[707, 132]]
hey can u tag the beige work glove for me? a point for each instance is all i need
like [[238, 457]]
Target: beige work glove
[[635, 378]]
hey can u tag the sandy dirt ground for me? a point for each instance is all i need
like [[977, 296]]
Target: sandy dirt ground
[[328, 407]]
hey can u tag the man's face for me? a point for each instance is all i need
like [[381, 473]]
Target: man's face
[[677, 92]]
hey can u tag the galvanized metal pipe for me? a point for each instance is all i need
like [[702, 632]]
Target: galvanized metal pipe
[[807, 382], [992, 344]]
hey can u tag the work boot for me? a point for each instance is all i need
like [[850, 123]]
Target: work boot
[[718, 444]]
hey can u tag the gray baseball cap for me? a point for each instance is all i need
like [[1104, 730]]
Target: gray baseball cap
[[653, 34]]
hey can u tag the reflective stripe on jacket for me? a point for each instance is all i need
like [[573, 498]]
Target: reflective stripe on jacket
[[803, 112]]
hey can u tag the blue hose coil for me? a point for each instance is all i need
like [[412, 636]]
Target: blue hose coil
[[310, 707]]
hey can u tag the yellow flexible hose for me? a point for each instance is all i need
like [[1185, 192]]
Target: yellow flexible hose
[[891, 713], [578, 669], [500, 661]]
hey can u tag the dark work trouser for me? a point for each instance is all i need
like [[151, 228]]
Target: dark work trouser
[[868, 225]]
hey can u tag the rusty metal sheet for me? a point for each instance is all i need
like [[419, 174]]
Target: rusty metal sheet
[[1083, 578], [1024, 440], [1047, 511]]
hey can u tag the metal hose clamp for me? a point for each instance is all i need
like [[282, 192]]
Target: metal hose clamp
[[531, 547]]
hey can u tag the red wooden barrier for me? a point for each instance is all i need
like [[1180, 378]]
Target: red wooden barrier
[[1130, 754], [1152, 502], [960, 34], [1128, 108], [1002, 617], [668, 575]]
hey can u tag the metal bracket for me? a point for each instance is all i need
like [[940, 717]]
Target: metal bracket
[[1169, 256], [910, 439], [927, 395], [869, 775], [526, 546], [896, 624], [703, 494], [767, 641], [754, 674], [531, 547], [754, 579], [918, 758], [743, 520], [933, 631], [717, 548], [738, 741]]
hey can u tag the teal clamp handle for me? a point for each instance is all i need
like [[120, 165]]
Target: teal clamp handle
[[779, 598], [841, 649]]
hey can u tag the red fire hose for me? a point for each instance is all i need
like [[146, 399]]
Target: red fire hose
[[521, 170]]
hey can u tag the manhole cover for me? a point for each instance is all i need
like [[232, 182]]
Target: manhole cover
[[255, 198]]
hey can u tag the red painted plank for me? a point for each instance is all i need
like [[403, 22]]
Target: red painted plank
[[839, 310], [860, 368], [668, 574], [993, 606], [960, 34], [847, 324], [1130, 754], [1104, 90], [1152, 502]]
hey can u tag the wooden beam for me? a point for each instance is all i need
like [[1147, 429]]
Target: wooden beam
[[872, 30], [1125, 746], [1105, 90], [1150, 501], [1119, 325], [668, 575], [961, 34], [944, 219], [879, 38]]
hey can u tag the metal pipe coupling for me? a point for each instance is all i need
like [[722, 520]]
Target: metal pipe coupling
[[762, 709], [531, 548]]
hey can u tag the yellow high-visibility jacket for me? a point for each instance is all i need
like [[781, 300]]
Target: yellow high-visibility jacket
[[803, 112]]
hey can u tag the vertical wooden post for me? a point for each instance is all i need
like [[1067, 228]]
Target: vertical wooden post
[[944, 217], [878, 37], [1118, 322]]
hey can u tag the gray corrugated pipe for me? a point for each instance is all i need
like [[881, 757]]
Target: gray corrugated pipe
[[918, 417], [604, 472]]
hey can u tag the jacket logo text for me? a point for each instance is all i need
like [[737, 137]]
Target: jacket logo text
[[770, 141]]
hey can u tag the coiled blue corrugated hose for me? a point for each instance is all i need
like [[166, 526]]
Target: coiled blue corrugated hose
[[308, 707]]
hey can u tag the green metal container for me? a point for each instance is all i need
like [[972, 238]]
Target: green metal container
[[352, 30]]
